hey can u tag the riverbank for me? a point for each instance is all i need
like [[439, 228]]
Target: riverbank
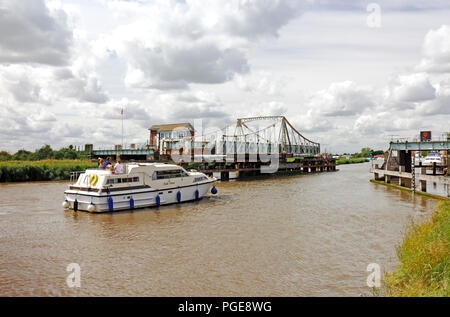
[[424, 257], [44, 170], [351, 161]]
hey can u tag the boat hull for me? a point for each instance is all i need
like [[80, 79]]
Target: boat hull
[[132, 199]]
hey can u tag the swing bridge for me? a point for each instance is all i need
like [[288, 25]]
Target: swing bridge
[[246, 147], [246, 136]]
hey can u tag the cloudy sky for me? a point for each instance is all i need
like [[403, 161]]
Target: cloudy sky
[[343, 74]]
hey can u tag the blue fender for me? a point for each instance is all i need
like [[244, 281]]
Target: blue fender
[[158, 200], [214, 190], [179, 196], [197, 194], [131, 203], [110, 204]]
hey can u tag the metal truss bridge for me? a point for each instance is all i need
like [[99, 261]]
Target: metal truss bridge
[[265, 134]]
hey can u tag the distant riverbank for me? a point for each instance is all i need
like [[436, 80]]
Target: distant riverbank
[[51, 169], [44, 170], [424, 257], [351, 161]]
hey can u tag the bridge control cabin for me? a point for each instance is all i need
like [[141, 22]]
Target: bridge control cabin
[[404, 166], [163, 135]]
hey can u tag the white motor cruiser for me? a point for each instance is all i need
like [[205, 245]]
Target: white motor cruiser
[[142, 185]]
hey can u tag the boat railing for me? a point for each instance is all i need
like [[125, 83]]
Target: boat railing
[[74, 176]]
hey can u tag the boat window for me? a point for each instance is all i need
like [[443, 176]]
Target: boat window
[[199, 179], [122, 180], [169, 174]]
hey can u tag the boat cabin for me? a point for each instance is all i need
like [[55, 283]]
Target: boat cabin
[[155, 175]]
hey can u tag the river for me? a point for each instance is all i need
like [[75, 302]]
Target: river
[[304, 235]]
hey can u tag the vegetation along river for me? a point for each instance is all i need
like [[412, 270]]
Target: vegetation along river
[[304, 235]]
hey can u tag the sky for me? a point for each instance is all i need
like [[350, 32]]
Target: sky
[[347, 74]]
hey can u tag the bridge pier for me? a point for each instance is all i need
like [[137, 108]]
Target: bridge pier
[[387, 179]]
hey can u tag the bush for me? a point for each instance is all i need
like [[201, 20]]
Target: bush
[[17, 171]]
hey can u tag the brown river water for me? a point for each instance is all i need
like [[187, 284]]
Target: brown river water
[[303, 235]]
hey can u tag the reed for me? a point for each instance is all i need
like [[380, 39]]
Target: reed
[[44, 170], [424, 257]]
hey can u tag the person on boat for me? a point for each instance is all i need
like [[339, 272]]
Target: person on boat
[[101, 163], [118, 168], [107, 163]]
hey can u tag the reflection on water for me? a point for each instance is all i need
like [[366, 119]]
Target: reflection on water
[[305, 235]]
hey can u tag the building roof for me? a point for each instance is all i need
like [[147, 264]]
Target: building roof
[[171, 126]]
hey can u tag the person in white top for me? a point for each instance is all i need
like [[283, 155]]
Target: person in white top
[[118, 168]]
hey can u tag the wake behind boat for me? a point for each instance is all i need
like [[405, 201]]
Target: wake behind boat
[[142, 185]]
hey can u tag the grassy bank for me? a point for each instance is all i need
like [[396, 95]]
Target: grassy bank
[[424, 257], [351, 161], [45, 170]]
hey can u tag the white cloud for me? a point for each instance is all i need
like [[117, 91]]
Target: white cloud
[[382, 122], [414, 87], [341, 99], [172, 44], [47, 85], [261, 83], [186, 106], [86, 88], [436, 51], [256, 18], [172, 66], [17, 122], [31, 33], [311, 122], [439, 105], [19, 83]]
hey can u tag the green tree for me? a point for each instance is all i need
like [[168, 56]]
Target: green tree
[[366, 152], [45, 152], [22, 155], [378, 152], [66, 153], [4, 156]]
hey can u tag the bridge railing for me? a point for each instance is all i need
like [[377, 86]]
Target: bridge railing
[[436, 137], [126, 146]]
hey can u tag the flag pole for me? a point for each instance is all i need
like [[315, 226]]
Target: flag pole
[[122, 126]]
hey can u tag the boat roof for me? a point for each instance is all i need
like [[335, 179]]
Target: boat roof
[[154, 166], [98, 171], [135, 167]]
